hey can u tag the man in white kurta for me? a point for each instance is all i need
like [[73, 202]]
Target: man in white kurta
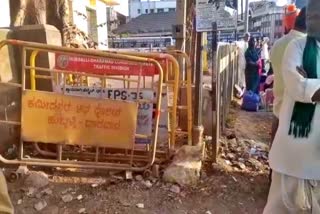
[[295, 161]]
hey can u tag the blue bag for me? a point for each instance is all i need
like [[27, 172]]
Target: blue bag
[[250, 101]]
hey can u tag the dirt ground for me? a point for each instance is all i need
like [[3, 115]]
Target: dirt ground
[[220, 190]]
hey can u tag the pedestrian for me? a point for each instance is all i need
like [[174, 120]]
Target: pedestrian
[[242, 47], [276, 58], [252, 67], [5, 202], [294, 155], [265, 54]]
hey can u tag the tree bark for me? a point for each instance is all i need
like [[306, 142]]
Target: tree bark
[[30, 12]]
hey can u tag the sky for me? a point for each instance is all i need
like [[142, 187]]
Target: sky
[[123, 7]]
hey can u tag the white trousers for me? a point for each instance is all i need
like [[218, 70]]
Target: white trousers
[[290, 195]]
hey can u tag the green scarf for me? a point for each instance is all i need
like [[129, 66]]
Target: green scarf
[[302, 114]]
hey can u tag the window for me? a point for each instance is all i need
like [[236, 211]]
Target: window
[[139, 11], [278, 23], [147, 10], [160, 10], [151, 10], [172, 9]]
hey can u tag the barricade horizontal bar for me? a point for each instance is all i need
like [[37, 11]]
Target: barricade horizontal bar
[[182, 107], [43, 77], [10, 122], [11, 84]]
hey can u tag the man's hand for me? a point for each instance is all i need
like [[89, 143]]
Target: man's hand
[[301, 71]]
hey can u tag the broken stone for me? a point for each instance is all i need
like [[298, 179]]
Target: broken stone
[[23, 170], [94, 185], [241, 160], [40, 205], [31, 191], [231, 156], [82, 210], [255, 163], [228, 162], [47, 191], [223, 155], [37, 180], [186, 166], [19, 201], [139, 178], [175, 189], [66, 191], [79, 197], [147, 183], [240, 165], [140, 205], [129, 175], [67, 198], [125, 204], [208, 212]]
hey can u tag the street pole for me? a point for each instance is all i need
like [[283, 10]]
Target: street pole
[[246, 17], [197, 134], [241, 10], [181, 21], [215, 94]]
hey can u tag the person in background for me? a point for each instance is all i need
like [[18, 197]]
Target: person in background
[[294, 155], [242, 47], [5, 202], [252, 67], [265, 54]]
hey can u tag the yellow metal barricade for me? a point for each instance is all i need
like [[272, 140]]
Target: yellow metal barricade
[[186, 82], [171, 74], [118, 152], [171, 79]]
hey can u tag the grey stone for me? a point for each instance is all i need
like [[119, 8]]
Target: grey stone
[[40, 205], [138, 177], [186, 166], [175, 189], [140, 205], [67, 198], [37, 180]]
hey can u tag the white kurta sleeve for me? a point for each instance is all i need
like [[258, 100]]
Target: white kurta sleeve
[[299, 88]]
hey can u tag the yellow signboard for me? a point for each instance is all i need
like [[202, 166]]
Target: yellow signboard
[[55, 118]]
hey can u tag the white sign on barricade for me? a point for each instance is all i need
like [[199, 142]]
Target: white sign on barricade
[[144, 120]]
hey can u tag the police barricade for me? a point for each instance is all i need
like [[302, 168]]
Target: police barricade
[[173, 78], [101, 123], [76, 86], [185, 96]]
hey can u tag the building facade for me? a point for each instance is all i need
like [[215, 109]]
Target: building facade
[[266, 19], [139, 7], [90, 16]]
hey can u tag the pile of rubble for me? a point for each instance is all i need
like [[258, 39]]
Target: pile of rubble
[[75, 38], [244, 155]]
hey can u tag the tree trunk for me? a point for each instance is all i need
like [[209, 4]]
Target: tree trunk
[[29, 12]]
